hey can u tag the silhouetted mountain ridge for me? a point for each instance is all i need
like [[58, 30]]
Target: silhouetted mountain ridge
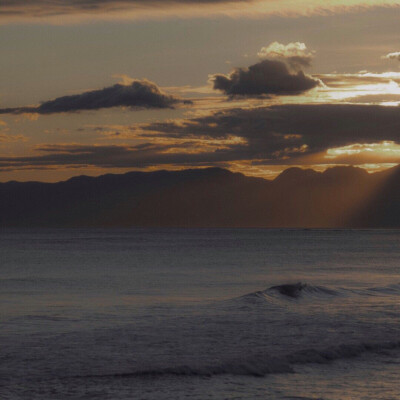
[[210, 197]]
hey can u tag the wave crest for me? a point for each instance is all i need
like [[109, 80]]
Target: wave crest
[[290, 291], [299, 289]]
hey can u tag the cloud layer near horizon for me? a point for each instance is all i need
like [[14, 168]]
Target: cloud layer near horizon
[[283, 130], [277, 135], [138, 94]]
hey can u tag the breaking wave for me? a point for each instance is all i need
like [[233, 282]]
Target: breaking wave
[[302, 289], [290, 291], [298, 291]]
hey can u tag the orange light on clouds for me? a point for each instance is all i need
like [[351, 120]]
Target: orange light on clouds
[[385, 149], [375, 88]]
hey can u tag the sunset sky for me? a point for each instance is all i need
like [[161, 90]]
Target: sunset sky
[[256, 86]]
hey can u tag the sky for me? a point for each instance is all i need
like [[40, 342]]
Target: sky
[[256, 86]]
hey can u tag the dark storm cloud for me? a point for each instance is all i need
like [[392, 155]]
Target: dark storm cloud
[[138, 94], [268, 77], [271, 135]]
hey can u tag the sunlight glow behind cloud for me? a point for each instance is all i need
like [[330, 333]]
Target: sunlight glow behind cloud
[[385, 149]]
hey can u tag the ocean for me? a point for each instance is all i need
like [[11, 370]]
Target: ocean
[[199, 314]]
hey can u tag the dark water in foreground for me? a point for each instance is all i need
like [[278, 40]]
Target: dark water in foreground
[[197, 314]]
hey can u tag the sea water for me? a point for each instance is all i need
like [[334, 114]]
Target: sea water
[[199, 314]]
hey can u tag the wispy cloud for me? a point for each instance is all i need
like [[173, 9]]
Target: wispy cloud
[[64, 11], [362, 87], [9, 138]]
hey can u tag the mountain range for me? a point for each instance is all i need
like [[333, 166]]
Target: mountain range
[[340, 197]]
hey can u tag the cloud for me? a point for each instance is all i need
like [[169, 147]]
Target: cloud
[[392, 56], [388, 98], [295, 54], [363, 79], [362, 87], [112, 156], [268, 77], [280, 73], [60, 11], [277, 135], [138, 94], [7, 138]]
